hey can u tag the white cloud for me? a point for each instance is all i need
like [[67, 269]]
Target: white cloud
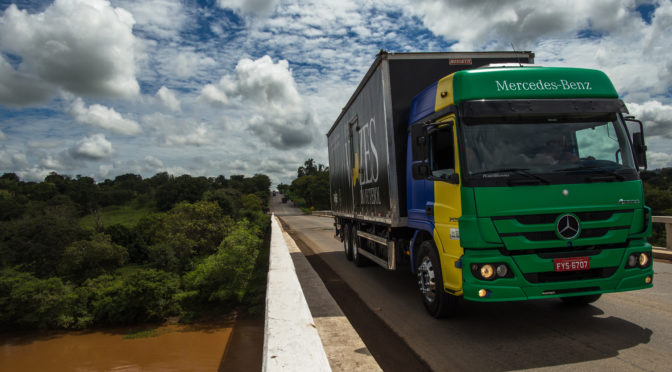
[[94, 147], [169, 99], [187, 63], [160, 18], [152, 162], [496, 24], [200, 136], [268, 91], [656, 117], [81, 46], [657, 160], [263, 7], [103, 117], [3, 136], [213, 95]]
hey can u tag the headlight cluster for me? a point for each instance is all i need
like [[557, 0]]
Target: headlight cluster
[[641, 260], [491, 271]]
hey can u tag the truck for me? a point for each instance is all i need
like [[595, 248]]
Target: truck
[[491, 179]]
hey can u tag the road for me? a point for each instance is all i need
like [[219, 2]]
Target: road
[[629, 331]]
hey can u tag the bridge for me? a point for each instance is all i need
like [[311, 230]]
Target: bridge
[[371, 319]]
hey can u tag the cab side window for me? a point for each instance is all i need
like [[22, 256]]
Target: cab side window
[[441, 153]]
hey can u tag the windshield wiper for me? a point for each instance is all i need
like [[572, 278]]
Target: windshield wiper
[[606, 176], [519, 171]]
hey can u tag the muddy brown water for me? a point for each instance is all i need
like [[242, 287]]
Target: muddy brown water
[[225, 345]]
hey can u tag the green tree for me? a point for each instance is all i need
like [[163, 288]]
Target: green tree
[[88, 258], [30, 302], [143, 296], [223, 277]]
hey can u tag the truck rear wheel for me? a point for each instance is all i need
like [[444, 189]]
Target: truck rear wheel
[[347, 241], [357, 258], [581, 300], [438, 303]]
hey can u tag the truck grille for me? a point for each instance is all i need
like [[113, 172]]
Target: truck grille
[[524, 232]]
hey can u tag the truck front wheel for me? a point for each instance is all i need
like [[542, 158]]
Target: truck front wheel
[[438, 303], [347, 241]]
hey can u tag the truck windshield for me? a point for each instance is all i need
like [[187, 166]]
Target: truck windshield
[[548, 149]]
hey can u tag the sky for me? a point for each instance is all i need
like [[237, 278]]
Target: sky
[[223, 87]]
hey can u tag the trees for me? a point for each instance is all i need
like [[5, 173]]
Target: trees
[[199, 252], [312, 185]]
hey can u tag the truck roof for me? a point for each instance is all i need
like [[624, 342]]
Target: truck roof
[[418, 64], [532, 82]]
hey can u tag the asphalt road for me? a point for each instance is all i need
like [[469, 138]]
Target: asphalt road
[[629, 331]]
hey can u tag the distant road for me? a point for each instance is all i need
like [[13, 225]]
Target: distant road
[[629, 331]]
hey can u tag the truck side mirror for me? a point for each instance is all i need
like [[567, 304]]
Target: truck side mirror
[[636, 129], [639, 150], [418, 134]]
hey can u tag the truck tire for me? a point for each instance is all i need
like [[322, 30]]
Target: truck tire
[[438, 303], [581, 300], [347, 241], [357, 258]]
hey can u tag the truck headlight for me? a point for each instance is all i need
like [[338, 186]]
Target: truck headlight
[[491, 271], [487, 271], [643, 260]]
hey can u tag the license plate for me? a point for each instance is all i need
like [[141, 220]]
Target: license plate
[[572, 264]]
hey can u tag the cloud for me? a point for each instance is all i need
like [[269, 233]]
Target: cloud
[[186, 63], [658, 160], [152, 162], [214, 95], [169, 99], [94, 147], [497, 24], [200, 136], [19, 88], [656, 117], [3, 136], [159, 18], [268, 91], [259, 7], [81, 46], [103, 117]]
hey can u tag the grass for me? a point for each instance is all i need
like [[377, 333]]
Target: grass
[[127, 215]]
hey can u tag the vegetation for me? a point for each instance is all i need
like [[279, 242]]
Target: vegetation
[[311, 187], [75, 254], [658, 194]]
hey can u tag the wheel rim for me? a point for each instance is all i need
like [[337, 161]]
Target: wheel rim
[[427, 279], [347, 242], [354, 245]]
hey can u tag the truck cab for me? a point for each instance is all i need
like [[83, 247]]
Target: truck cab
[[522, 183]]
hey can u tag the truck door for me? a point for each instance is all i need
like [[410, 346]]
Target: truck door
[[444, 170]]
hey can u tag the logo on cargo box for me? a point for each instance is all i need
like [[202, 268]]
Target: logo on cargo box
[[460, 61], [568, 227]]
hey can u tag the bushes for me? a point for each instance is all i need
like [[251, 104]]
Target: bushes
[[146, 295], [30, 302]]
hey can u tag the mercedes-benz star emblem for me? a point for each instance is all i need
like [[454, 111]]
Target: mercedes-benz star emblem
[[568, 227]]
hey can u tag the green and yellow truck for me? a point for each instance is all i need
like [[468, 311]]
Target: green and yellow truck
[[492, 179]]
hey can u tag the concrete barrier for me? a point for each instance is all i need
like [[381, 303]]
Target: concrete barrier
[[291, 341]]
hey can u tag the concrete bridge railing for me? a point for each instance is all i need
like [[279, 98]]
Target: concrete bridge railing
[[667, 220]]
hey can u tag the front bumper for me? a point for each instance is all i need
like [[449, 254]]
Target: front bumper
[[610, 263]]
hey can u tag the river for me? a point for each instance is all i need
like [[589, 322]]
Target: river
[[221, 345]]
